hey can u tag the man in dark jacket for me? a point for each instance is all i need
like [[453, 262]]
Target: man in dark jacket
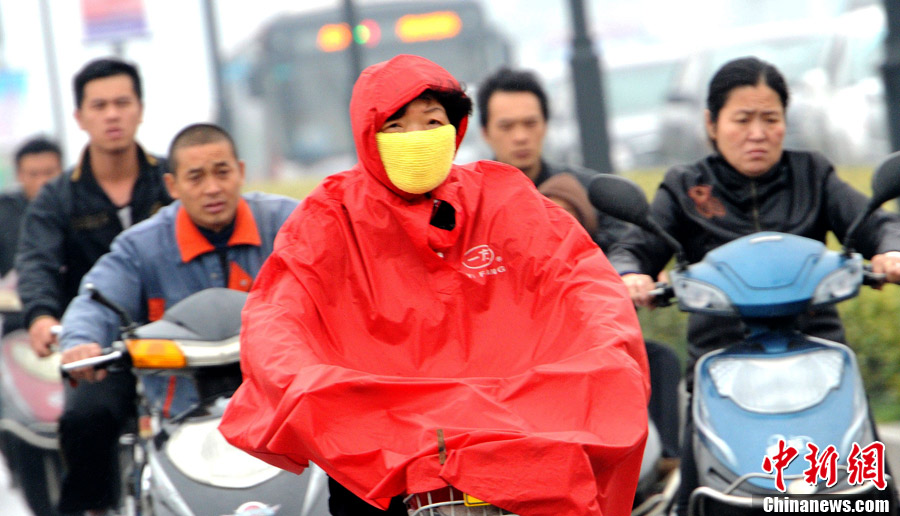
[[38, 160], [73, 220], [513, 113]]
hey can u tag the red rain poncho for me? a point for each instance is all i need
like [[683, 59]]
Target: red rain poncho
[[369, 329]]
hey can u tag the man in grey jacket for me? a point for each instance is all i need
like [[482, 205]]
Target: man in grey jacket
[[212, 237]]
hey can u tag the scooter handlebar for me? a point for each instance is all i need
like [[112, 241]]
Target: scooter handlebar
[[873, 279], [663, 294], [98, 362]]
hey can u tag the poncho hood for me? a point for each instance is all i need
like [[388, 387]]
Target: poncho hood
[[370, 328], [380, 91]]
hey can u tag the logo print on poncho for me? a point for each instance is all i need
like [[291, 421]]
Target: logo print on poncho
[[478, 257]]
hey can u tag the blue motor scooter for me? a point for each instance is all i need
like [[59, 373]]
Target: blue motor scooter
[[778, 390]]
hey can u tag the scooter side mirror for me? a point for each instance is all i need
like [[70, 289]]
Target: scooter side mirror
[[885, 186], [127, 324], [619, 197], [886, 180], [623, 199]]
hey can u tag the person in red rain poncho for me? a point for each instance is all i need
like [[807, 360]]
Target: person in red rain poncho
[[408, 297]]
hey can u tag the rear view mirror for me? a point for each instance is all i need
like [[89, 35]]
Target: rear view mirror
[[886, 180], [619, 197], [885, 186], [624, 200]]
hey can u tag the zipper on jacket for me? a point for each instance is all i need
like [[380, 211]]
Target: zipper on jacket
[[755, 205]]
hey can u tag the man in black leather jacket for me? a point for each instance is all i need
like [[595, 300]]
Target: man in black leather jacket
[[72, 223], [73, 220]]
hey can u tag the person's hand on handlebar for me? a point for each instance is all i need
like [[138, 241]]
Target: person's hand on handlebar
[[888, 264], [639, 287], [41, 336], [80, 352]]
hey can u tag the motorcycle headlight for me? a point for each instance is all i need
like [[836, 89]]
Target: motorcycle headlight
[[840, 284], [697, 295], [199, 451], [778, 385]]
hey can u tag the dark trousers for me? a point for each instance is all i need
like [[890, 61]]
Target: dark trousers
[[342, 502], [689, 477], [95, 415], [665, 373]]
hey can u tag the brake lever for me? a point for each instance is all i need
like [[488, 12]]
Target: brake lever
[[104, 361], [56, 331], [875, 280], [662, 295]]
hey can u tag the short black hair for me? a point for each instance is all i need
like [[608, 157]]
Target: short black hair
[[744, 71], [455, 102], [105, 67], [506, 79], [37, 145], [198, 134]]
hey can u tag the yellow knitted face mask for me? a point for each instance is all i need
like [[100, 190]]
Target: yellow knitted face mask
[[418, 161]]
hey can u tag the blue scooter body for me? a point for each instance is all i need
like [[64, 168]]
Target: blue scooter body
[[777, 384], [768, 275], [732, 439]]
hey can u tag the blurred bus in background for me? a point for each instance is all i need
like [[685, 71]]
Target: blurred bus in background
[[289, 88]]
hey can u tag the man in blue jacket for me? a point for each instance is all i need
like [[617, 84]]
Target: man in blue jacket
[[212, 237]]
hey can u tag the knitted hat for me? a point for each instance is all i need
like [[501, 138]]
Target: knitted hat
[[566, 187]]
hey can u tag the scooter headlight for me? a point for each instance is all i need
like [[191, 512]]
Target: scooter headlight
[[699, 296], [199, 451], [840, 284], [778, 385]]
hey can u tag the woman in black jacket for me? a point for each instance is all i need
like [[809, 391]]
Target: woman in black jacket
[[749, 184]]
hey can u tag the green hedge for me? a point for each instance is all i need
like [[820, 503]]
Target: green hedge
[[870, 319]]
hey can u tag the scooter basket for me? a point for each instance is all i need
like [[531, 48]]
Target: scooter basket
[[448, 501]]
